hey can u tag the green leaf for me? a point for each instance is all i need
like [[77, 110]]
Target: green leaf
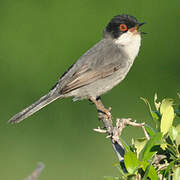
[[173, 133], [151, 131], [176, 174], [139, 144], [178, 95], [178, 136], [144, 164], [167, 113], [154, 116], [152, 173], [125, 145], [131, 162], [177, 111], [147, 152], [131, 177], [173, 152], [170, 166], [149, 171], [178, 128], [157, 104], [165, 103], [163, 146]]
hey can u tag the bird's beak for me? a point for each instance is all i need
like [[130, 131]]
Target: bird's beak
[[139, 25], [134, 30]]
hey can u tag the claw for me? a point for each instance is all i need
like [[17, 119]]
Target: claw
[[107, 112], [100, 107]]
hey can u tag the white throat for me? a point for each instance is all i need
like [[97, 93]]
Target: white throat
[[130, 43]]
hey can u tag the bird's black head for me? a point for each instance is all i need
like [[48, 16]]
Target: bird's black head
[[121, 24]]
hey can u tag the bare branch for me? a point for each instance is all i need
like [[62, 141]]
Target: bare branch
[[100, 130], [35, 174], [145, 133], [114, 132]]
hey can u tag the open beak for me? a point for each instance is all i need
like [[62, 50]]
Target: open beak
[[134, 30], [139, 25]]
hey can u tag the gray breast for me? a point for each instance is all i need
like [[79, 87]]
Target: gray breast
[[102, 57]]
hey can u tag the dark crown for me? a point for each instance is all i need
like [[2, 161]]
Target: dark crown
[[113, 26]]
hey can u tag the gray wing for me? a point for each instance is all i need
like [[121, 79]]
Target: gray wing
[[100, 61]]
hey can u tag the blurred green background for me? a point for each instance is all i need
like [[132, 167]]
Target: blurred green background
[[39, 40]]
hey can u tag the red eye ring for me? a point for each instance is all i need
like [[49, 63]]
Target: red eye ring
[[123, 27]]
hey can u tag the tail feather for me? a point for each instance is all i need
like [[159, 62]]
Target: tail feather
[[42, 102]]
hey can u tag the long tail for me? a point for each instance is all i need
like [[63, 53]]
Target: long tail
[[42, 102]]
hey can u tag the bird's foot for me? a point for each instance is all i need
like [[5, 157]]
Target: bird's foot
[[100, 107], [106, 112]]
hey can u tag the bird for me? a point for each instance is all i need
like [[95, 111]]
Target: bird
[[99, 69]]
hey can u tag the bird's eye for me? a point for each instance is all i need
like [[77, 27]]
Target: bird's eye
[[123, 27]]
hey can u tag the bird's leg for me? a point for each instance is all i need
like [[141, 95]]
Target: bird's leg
[[100, 107]]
